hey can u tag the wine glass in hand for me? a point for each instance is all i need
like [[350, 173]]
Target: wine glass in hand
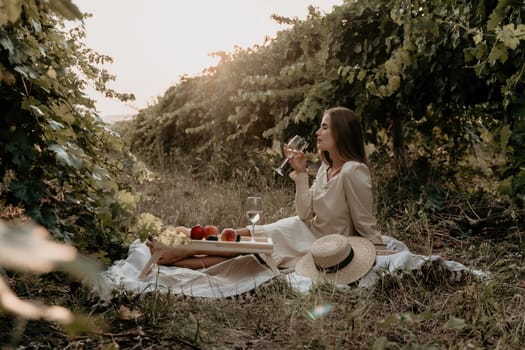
[[296, 143], [253, 211]]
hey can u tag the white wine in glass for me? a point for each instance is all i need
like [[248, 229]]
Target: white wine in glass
[[296, 143], [254, 211]]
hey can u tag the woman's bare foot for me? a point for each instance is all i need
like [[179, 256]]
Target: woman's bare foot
[[243, 232], [169, 255]]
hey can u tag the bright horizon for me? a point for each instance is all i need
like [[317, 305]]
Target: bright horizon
[[153, 43]]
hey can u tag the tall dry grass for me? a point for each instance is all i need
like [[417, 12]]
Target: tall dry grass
[[430, 308], [188, 199]]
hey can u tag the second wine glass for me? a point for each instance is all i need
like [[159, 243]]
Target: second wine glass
[[254, 211]]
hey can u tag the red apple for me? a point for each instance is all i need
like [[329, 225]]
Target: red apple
[[228, 234], [210, 230], [197, 232]]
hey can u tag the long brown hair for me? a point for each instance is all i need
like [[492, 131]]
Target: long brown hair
[[348, 135]]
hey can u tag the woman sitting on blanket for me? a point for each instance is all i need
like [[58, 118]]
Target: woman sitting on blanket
[[340, 200]]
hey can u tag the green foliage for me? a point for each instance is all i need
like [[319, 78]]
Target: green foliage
[[417, 69], [58, 161], [497, 58]]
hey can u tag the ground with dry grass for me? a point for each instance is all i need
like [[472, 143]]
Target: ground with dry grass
[[425, 309]]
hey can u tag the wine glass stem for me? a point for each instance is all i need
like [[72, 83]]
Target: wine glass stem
[[253, 232], [279, 169], [284, 163]]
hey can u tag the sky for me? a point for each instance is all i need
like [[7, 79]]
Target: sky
[[155, 42]]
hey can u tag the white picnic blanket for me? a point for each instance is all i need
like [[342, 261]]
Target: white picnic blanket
[[243, 273], [231, 277], [386, 264]]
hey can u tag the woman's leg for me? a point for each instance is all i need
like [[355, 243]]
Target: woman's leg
[[200, 262], [243, 231], [187, 257], [170, 255]]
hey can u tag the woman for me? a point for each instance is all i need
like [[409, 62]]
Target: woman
[[340, 199]]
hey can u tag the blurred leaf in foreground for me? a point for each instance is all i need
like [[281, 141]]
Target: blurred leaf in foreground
[[455, 323], [29, 248], [30, 310]]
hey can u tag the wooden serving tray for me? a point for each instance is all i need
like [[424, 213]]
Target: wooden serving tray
[[246, 245]]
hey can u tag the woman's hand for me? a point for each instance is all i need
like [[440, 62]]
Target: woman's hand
[[297, 160]]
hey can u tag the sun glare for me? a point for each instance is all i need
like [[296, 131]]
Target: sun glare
[[154, 43]]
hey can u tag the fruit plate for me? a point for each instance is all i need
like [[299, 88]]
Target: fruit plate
[[246, 245]]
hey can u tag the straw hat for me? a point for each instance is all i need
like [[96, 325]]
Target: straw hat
[[337, 259]]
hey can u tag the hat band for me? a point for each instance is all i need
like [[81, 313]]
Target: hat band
[[335, 268]]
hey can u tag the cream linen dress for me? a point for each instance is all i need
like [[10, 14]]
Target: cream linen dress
[[343, 204]]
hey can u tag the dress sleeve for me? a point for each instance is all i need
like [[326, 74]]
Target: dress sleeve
[[303, 195], [357, 186]]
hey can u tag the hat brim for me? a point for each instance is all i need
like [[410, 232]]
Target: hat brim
[[362, 262]]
